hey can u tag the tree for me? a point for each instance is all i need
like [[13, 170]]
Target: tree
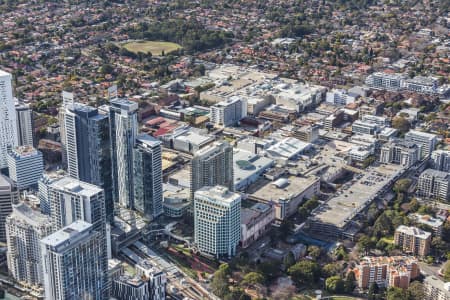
[[349, 283], [330, 269], [219, 284], [446, 232], [416, 291], [314, 251], [394, 293], [252, 279], [365, 244], [447, 272], [334, 284], [289, 260], [305, 271], [303, 213], [414, 205], [402, 185], [373, 291], [401, 123]]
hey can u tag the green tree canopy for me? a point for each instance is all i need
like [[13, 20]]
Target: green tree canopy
[[305, 271]]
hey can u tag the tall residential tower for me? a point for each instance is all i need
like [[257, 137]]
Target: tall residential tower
[[8, 130]]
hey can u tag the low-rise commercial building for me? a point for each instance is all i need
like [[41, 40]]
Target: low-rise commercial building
[[255, 221], [286, 193], [248, 167]]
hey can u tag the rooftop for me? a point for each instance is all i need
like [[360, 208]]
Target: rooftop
[[417, 232], [147, 140], [435, 173], [283, 188], [428, 220], [75, 186], [70, 234], [347, 203], [24, 151], [29, 215], [217, 194]]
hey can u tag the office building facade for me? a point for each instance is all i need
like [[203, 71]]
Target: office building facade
[[88, 151], [71, 265], [8, 123], [217, 221], [123, 131], [147, 177], [25, 227], [26, 165], [212, 165], [24, 119]]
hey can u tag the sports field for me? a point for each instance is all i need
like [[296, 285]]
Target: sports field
[[156, 48]]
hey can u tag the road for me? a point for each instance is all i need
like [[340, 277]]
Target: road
[[432, 270]]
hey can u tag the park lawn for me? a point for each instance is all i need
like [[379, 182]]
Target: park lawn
[[156, 48], [388, 240]]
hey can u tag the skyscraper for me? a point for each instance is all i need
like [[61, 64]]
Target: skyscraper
[[123, 132], [217, 221], [88, 149], [25, 165], [25, 227], [73, 265], [9, 195], [147, 176], [24, 120], [212, 165], [8, 131]]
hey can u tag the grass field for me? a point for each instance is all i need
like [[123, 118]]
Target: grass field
[[156, 48]]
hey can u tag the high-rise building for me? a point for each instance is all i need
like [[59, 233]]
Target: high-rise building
[[72, 264], [212, 165], [400, 152], [428, 141], [9, 195], [43, 189], [147, 176], [123, 132], [229, 112], [394, 271], [441, 160], [25, 165], [217, 221], [412, 240], [24, 119], [434, 184], [25, 227], [8, 130], [88, 149]]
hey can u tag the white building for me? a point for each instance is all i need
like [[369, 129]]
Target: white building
[[217, 221], [380, 121], [297, 96], [365, 127], [8, 123], [400, 152], [248, 167], [428, 141], [25, 227], [24, 118], [71, 264], [441, 160], [385, 81], [288, 148], [436, 289], [434, 184], [421, 84], [228, 112], [340, 97], [25, 165]]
